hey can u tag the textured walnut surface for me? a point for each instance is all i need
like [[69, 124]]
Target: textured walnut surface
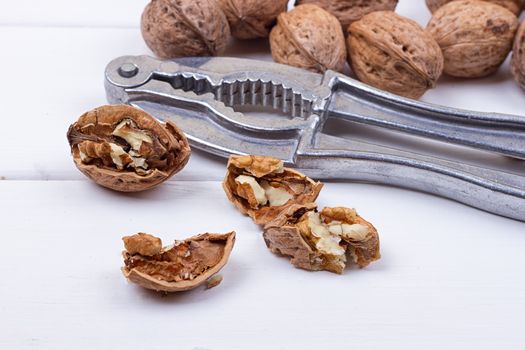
[[394, 53], [308, 37], [251, 19], [146, 152], [475, 36], [179, 267], [518, 56], [178, 28], [290, 235], [348, 11], [513, 5], [270, 170]]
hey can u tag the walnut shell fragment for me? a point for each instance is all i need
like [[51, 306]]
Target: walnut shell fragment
[[181, 266], [475, 36], [517, 63], [394, 53], [179, 28], [322, 240], [126, 149], [349, 11], [515, 6], [308, 37], [262, 188], [250, 19]]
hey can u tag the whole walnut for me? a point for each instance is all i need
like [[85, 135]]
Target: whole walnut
[[475, 36], [517, 64], [349, 11], [394, 53], [308, 37], [513, 5], [178, 28], [252, 19]]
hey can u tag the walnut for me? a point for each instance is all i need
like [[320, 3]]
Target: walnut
[[308, 37], [142, 244], [182, 266], [394, 53], [349, 11], [261, 187], [512, 5], [178, 28], [517, 64], [475, 36], [252, 19], [322, 241], [126, 149]]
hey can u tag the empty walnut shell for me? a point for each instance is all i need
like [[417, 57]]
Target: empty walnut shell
[[322, 241], [308, 37], [394, 53], [182, 266], [349, 11], [251, 19], [517, 64], [475, 36], [126, 149], [178, 28], [515, 6], [261, 187]]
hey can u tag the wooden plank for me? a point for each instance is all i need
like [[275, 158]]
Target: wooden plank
[[449, 275]]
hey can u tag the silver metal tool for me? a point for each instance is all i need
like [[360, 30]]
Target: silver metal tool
[[199, 93]]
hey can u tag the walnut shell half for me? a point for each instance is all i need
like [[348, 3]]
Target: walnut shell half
[[517, 63], [475, 36], [394, 53], [182, 266], [515, 6], [262, 188], [126, 149], [179, 28], [308, 37], [251, 19], [322, 241], [349, 11]]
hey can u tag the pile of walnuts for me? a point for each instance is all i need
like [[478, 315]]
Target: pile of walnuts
[[464, 38]]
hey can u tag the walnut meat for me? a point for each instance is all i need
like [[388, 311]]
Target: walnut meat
[[517, 63], [514, 6], [475, 36], [126, 149], [262, 188], [394, 53], [349, 11], [178, 28], [182, 266], [308, 37], [322, 240], [251, 19]]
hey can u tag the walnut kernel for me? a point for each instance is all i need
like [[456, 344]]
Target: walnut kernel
[[308, 37], [394, 53], [475, 36], [126, 149]]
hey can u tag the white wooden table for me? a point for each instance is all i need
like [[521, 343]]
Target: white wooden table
[[450, 277]]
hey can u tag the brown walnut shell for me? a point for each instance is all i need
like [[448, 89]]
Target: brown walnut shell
[[517, 64], [394, 53], [182, 266], [251, 19], [125, 149], [515, 6], [179, 28], [269, 172], [475, 36], [290, 235], [349, 11], [308, 37]]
